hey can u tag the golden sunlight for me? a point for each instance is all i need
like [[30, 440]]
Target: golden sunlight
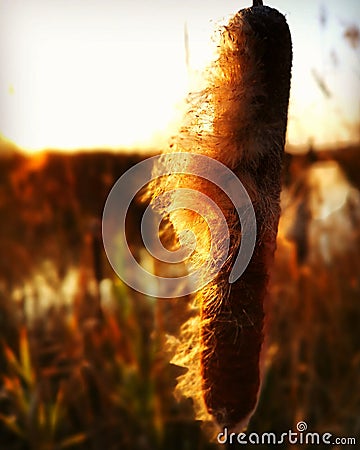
[[85, 82], [114, 74]]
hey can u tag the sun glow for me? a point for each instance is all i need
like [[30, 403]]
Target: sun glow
[[114, 73], [74, 81]]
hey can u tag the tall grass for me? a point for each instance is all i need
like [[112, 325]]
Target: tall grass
[[83, 364]]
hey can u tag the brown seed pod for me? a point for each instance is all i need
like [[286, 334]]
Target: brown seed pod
[[257, 55], [240, 120]]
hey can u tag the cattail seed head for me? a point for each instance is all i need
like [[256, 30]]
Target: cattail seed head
[[240, 120]]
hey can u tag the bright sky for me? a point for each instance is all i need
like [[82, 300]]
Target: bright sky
[[109, 73]]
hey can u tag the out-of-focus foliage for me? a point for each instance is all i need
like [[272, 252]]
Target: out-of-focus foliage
[[314, 310], [83, 361], [352, 34]]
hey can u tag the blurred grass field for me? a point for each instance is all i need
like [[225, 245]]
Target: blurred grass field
[[83, 360]]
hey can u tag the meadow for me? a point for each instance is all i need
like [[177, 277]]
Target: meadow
[[83, 358]]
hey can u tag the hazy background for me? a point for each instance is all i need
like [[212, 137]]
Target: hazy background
[[86, 74], [84, 360]]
